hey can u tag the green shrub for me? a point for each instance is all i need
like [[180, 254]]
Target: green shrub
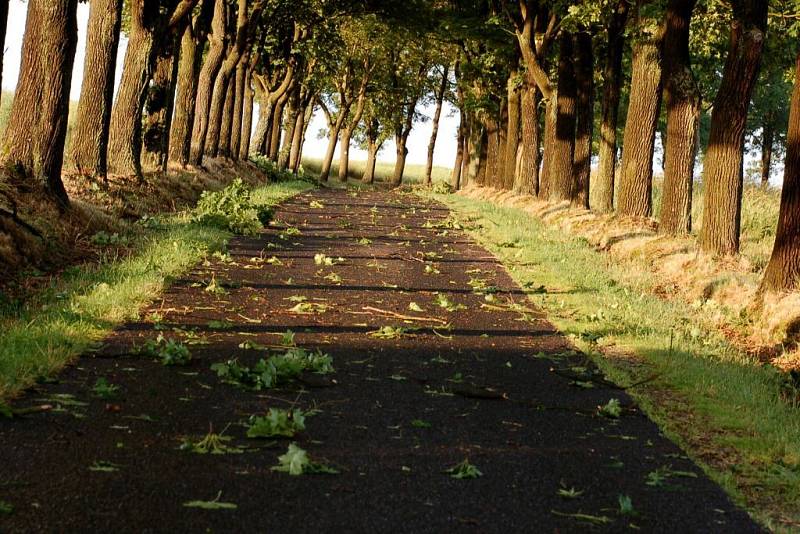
[[274, 174], [232, 209]]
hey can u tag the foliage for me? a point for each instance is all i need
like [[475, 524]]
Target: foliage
[[464, 470], [232, 209], [277, 422], [104, 390], [275, 370], [211, 443], [169, 351], [611, 409], [215, 504], [296, 461]]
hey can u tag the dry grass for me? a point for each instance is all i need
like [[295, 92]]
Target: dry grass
[[675, 267]]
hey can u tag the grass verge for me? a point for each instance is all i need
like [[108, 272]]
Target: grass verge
[[38, 337], [734, 417]]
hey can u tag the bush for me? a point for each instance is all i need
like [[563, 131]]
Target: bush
[[274, 174], [232, 209]]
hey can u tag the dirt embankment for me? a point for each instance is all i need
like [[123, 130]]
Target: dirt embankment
[[35, 236], [726, 289]]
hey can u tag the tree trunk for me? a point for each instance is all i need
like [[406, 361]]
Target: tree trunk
[[561, 181], [37, 124], [602, 187], [206, 82], [435, 123], [263, 125], [288, 130], [400, 160], [158, 107], [277, 127], [682, 98], [247, 116], [344, 154], [527, 180], [372, 156], [308, 115], [550, 119], [767, 140], [180, 136], [722, 172], [125, 139], [512, 133], [490, 178], [783, 270], [636, 177], [89, 140], [333, 138], [455, 175], [238, 108], [226, 131], [297, 134], [3, 26], [584, 117]]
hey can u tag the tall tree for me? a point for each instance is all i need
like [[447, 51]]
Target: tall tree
[[559, 161], [33, 147], [783, 270], [89, 143], [722, 169], [514, 122], [636, 177], [682, 99]]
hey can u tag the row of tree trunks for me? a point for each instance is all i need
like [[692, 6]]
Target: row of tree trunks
[[37, 127], [723, 172], [682, 99], [88, 148]]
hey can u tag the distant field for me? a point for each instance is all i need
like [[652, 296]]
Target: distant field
[[383, 171], [7, 98]]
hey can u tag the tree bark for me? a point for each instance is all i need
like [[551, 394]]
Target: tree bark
[[512, 133], [783, 269], [682, 98], [247, 114], [602, 187], [435, 123], [298, 131], [277, 127], [158, 107], [288, 129], [238, 106], [491, 178], [636, 178], [561, 180], [3, 26], [125, 138], [224, 146], [527, 180], [372, 156], [37, 124], [401, 152], [89, 140], [206, 81], [186, 88], [767, 139], [307, 116], [722, 172], [584, 117]]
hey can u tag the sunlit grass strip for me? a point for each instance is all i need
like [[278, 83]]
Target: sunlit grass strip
[[88, 301], [722, 407]]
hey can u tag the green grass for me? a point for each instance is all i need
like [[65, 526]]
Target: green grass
[[383, 171], [724, 408], [81, 307]]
